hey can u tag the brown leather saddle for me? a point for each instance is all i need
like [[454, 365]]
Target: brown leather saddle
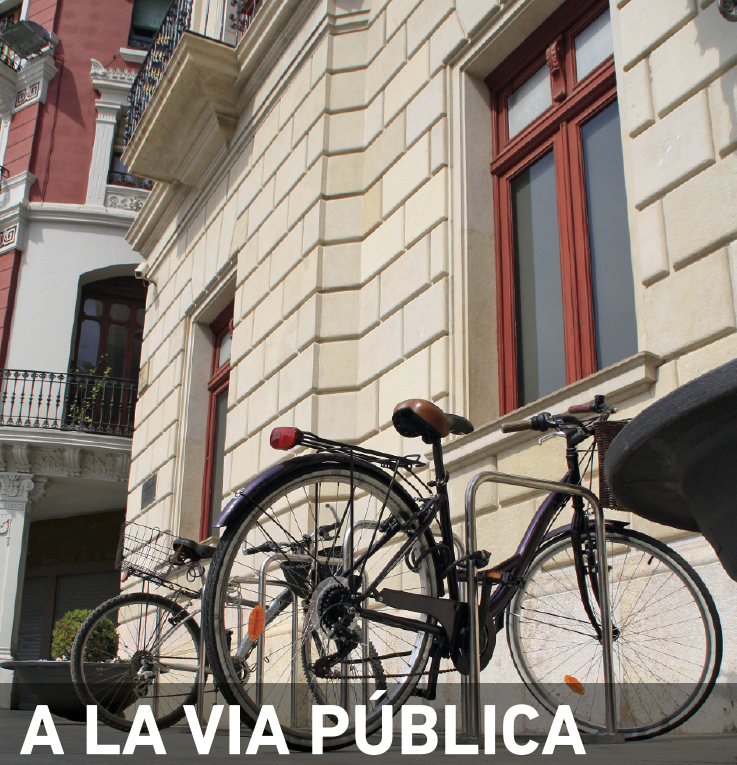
[[417, 417]]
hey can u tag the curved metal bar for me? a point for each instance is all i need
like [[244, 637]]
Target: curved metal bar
[[473, 687]]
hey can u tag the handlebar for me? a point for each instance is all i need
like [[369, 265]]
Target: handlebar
[[597, 406], [515, 427], [581, 409], [546, 421]]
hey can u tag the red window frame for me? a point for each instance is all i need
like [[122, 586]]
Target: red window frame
[[559, 129], [219, 381]]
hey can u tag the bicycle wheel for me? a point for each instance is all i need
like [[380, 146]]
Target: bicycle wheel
[[133, 650], [667, 636], [314, 648]]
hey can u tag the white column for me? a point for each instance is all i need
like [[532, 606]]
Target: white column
[[107, 118], [14, 523]]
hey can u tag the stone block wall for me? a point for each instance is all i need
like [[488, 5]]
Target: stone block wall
[[347, 221]]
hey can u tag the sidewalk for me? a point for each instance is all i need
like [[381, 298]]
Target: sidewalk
[[180, 749]]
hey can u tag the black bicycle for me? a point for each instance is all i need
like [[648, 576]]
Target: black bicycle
[[144, 648], [350, 559]]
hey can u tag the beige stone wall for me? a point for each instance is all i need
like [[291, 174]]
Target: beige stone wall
[[350, 219]]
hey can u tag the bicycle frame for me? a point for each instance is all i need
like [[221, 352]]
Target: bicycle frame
[[493, 605]]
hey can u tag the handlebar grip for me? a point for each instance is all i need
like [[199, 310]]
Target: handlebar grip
[[515, 427], [581, 409]]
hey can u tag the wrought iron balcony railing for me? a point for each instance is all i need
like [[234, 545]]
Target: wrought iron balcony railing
[[243, 15], [131, 181], [240, 15], [67, 401], [175, 24]]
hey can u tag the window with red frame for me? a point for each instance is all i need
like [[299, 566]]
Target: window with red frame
[[212, 487], [564, 271]]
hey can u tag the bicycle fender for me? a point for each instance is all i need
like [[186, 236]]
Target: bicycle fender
[[562, 531], [243, 498]]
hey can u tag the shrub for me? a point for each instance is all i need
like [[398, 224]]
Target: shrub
[[102, 644]]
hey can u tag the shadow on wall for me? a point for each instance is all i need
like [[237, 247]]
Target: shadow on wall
[[715, 33]]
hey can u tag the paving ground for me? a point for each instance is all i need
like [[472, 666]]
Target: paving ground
[[180, 749]]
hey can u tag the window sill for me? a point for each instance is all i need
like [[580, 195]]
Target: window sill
[[618, 382]]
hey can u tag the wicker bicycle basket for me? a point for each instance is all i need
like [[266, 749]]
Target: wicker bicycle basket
[[147, 553], [604, 433]]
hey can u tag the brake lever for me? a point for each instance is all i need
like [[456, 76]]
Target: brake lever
[[550, 435]]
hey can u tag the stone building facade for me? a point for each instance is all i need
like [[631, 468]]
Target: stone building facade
[[330, 178]]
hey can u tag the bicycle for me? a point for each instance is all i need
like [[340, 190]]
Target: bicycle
[[154, 655], [339, 550]]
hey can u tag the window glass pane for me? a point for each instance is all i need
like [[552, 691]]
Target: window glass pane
[[148, 14], [529, 101], [611, 261], [594, 45], [89, 344], [216, 487], [93, 307], [224, 352], [117, 339], [540, 343], [120, 312], [141, 315]]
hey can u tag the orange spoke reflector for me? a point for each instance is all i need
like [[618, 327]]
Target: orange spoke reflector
[[256, 623], [570, 680]]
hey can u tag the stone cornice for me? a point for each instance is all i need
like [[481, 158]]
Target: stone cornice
[[64, 438], [52, 453], [81, 214], [112, 84], [152, 220], [622, 380]]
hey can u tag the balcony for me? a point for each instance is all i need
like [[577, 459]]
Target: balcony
[[66, 401], [176, 22]]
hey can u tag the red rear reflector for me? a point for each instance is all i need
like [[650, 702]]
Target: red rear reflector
[[285, 438], [256, 623]]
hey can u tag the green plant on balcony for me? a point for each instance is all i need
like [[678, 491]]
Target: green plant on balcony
[[83, 399]]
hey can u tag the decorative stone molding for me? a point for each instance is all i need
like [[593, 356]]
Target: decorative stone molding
[[99, 466], [122, 198], [21, 458], [70, 457], [40, 484], [113, 85], [14, 211], [48, 462], [6, 522], [14, 487], [100, 74], [52, 461], [33, 80], [9, 238]]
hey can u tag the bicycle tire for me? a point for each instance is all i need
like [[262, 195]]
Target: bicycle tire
[[292, 501], [133, 671], [558, 656]]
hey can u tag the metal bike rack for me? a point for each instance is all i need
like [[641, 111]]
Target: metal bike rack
[[472, 718], [269, 562]]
